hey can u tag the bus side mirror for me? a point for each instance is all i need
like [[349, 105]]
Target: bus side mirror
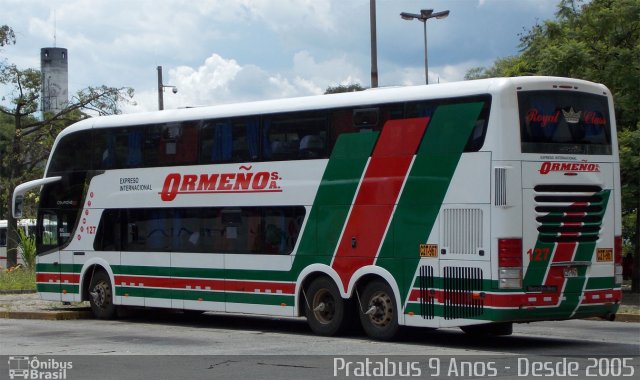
[[20, 190], [17, 206]]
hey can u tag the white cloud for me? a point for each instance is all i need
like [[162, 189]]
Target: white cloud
[[223, 80]]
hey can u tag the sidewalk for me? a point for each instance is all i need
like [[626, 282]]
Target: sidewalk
[[30, 306]]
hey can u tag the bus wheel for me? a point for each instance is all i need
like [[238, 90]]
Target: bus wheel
[[101, 296], [379, 312], [325, 309], [490, 329]]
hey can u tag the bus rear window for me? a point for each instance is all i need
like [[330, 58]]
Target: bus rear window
[[564, 122]]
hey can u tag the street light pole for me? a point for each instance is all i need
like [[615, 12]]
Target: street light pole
[[424, 15], [161, 87], [426, 56], [374, 44]]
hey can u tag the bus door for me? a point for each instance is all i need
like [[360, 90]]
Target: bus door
[[69, 277], [48, 260]]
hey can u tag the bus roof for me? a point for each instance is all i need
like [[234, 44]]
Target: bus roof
[[319, 102]]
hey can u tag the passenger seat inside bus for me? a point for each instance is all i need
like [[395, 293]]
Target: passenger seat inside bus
[[311, 146]]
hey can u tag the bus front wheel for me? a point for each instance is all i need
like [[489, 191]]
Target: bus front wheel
[[325, 308], [101, 296], [378, 311]]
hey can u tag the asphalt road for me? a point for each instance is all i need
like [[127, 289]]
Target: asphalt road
[[223, 346]]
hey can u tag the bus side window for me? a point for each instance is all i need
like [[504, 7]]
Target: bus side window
[[73, 153], [109, 232], [177, 143], [48, 236], [3, 237], [284, 136], [216, 140]]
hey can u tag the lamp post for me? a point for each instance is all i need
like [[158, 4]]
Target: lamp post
[[161, 87], [374, 44], [424, 15]]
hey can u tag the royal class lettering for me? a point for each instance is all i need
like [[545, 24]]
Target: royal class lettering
[[548, 167], [593, 118], [258, 182], [571, 116], [533, 115]]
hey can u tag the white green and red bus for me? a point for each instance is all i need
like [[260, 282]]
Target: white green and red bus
[[476, 204]]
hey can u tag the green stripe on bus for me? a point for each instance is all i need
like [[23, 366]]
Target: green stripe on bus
[[600, 283], [333, 199], [261, 299], [57, 268], [58, 288], [425, 188], [210, 296]]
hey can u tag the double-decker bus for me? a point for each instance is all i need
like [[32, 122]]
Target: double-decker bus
[[474, 204]]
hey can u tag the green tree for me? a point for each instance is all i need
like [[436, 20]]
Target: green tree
[[7, 36], [343, 88], [27, 138], [598, 41]]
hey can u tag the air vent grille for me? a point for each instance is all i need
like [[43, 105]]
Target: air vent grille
[[463, 297]]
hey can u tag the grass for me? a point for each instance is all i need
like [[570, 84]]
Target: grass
[[17, 279]]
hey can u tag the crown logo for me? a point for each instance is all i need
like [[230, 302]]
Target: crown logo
[[571, 116]]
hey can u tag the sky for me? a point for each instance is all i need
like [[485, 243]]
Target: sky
[[228, 51]]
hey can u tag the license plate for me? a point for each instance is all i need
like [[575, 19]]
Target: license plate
[[571, 272], [428, 250], [604, 255]]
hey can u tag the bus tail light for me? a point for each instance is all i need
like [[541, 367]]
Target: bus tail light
[[510, 263], [617, 260]]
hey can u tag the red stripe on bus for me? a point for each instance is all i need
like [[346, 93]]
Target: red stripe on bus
[[378, 193], [564, 253], [494, 299], [71, 278], [601, 296], [203, 284]]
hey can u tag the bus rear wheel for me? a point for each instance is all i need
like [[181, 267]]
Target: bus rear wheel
[[379, 312], [325, 309], [101, 296]]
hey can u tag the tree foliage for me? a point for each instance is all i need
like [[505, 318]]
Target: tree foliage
[[343, 88], [27, 137], [7, 36], [598, 41]]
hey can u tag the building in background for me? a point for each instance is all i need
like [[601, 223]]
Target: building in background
[[55, 79]]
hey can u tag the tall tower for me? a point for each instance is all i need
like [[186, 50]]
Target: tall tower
[[55, 79]]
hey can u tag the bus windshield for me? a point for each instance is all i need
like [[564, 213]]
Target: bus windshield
[[564, 122]]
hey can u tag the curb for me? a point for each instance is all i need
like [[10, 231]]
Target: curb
[[624, 317], [17, 292], [47, 315]]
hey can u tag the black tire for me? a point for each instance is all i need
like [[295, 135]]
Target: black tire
[[489, 329], [381, 323], [101, 296], [325, 308]]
